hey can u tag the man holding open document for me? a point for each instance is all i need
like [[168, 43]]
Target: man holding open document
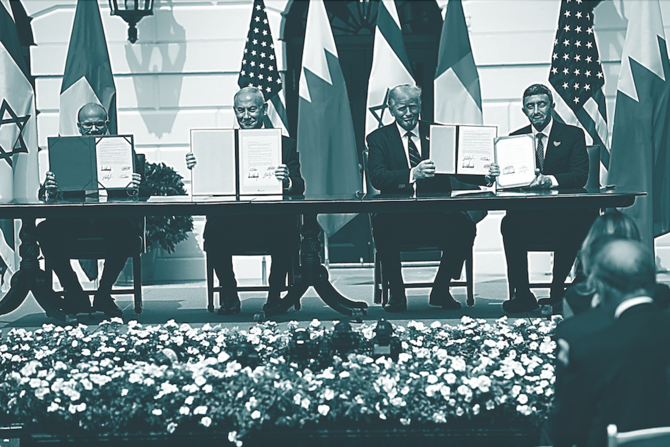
[[400, 162], [561, 162], [55, 234], [278, 233]]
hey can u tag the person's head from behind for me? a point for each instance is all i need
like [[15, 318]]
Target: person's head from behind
[[250, 108], [92, 119], [538, 103], [623, 269], [613, 223], [404, 102]]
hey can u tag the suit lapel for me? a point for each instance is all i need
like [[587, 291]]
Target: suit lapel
[[395, 142], [553, 145]]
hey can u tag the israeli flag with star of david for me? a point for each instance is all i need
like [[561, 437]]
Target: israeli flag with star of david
[[18, 136], [390, 66]]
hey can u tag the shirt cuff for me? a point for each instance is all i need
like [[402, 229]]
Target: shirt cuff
[[554, 182], [411, 175], [290, 185]]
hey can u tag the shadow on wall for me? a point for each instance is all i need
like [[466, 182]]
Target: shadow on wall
[[166, 58]]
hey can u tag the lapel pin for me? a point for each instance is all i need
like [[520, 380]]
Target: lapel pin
[[557, 143]]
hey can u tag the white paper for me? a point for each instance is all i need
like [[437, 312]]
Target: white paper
[[443, 148], [114, 155], [475, 149], [260, 155], [214, 172], [515, 156]]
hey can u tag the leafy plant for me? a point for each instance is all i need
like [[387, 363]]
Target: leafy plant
[[165, 231]]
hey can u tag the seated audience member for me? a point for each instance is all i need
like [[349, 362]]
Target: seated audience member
[[56, 234], [279, 233], [562, 162], [579, 297], [618, 374], [399, 163]]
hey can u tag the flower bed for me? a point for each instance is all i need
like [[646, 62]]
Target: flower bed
[[172, 379]]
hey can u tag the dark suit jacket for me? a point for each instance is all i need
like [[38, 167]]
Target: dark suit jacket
[[616, 375], [565, 157], [291, 159], [388, 168]]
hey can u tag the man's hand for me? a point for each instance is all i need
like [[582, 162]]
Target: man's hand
[[134, 187], [540, 181], [425, 169], [50, 184], [190, 160], [494, 172], [282, 174]]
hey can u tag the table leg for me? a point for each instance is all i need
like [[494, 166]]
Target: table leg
[[30, 278], [312, 273]]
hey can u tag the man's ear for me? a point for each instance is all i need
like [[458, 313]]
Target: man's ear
[[265, 108]]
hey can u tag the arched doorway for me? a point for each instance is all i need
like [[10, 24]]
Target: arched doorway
[[353, 24]]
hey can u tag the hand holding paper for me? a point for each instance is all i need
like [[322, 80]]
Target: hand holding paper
[[50, 183], [134, 185], [282, 174], [540, 181], [494, 172], [190, 160], [425, 169]]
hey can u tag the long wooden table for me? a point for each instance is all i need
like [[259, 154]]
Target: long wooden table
[[312, 273]]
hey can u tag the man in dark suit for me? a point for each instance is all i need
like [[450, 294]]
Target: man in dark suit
[[55, 234], [399, 163], [279, 233], [619, 373], [562, 162]]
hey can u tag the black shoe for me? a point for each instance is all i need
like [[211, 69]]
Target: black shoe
[[443, 299], [520, 302], [397, 303], [76, 303], [273, 301], [230, 306], [106, 304]]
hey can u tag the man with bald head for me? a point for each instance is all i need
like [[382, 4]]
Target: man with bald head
[[618, 374], [56, 234], [399, 163], [278, 233]]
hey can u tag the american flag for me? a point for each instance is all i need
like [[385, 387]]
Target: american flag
[[576, 73], [259, 66]]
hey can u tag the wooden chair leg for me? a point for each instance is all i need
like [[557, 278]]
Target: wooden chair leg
[[469, 279], [377, 279], [137, 282], [210, 284]]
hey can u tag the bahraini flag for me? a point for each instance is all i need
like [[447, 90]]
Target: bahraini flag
[[326, 140], [640, 153]]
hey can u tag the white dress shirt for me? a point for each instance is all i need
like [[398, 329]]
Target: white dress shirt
[[405, 143], [545, 140]]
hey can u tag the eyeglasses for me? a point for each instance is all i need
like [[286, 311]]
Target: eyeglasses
[[98, 124]]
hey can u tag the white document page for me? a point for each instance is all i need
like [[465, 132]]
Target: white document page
[[443, 148], [214, 172], [114, 159], [260, 155], [475, 149], [515, 157]]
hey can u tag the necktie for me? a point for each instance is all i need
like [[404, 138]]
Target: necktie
[[540, 152], [414, 156]]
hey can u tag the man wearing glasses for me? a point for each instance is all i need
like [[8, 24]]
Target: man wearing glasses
[[56, 234]]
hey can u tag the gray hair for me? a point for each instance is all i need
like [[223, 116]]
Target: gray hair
[[538, 89], [407, 89], [251, 90]]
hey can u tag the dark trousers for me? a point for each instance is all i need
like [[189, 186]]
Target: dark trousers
[[227, 235], [453, 232], [58, 236], [564, 229]]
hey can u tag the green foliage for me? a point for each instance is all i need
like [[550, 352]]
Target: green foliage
[[165, 231]]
